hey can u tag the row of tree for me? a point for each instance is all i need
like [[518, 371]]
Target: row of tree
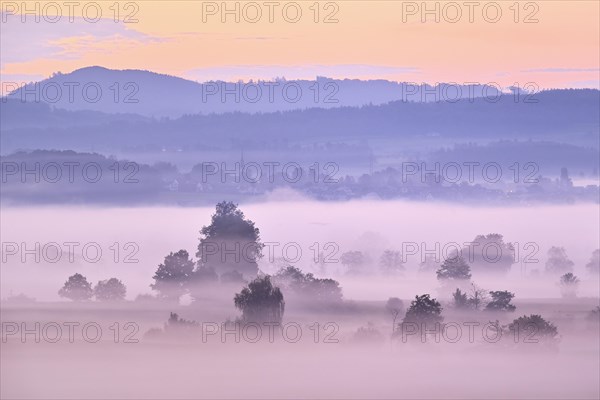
[[425, 312], [78, 288], [499, 260]]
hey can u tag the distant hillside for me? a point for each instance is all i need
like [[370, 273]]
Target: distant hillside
[[569, 116], [156, 95]]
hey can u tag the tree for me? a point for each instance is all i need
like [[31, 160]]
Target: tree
[[76, 288], [306, 287], [490, 254], [533, 328], [423, 310], [594, 265], [172, 276], [558, 262], [353, 260], [230, 243], [323, 290], [460, 299], [569, 284], [394, 306], [454, 269], [110, 290], [501, 301], [478, 297], [260, 301], [289, 276], [391, 262]]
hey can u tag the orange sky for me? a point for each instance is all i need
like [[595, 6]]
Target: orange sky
[[371, 39]]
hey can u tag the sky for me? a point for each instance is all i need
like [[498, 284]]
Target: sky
[[549, 43]]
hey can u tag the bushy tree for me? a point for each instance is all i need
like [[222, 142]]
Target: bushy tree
[[501, 301], [260, 301], [76, 288], [354, 261], [391, 263], [490, 254], [454, 269], [460, 300], [289, 276], [323, 290], [306, 287], [569, 284], [558, 262], [110, 290], [230, 243], [173, 275], [535, 327], [424, 310], [594, 265]]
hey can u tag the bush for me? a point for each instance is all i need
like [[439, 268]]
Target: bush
[[533, 329]]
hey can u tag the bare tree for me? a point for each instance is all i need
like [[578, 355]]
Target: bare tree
[[478, 297]]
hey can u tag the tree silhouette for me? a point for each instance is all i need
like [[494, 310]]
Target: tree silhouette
[[394, 306], [391, 262], [424, 310], [490, 254], [353, 260], [534, 328], [477, 297], [594, 265], [501, 301], [306, 287], [110, 290], [569, 284], [76, 288], [454, 269], [460, 299], [172, 276], [230, 243], [558, 262], [289, 276], [260, 301]]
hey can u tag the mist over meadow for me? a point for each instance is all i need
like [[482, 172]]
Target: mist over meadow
[[343, 348]]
